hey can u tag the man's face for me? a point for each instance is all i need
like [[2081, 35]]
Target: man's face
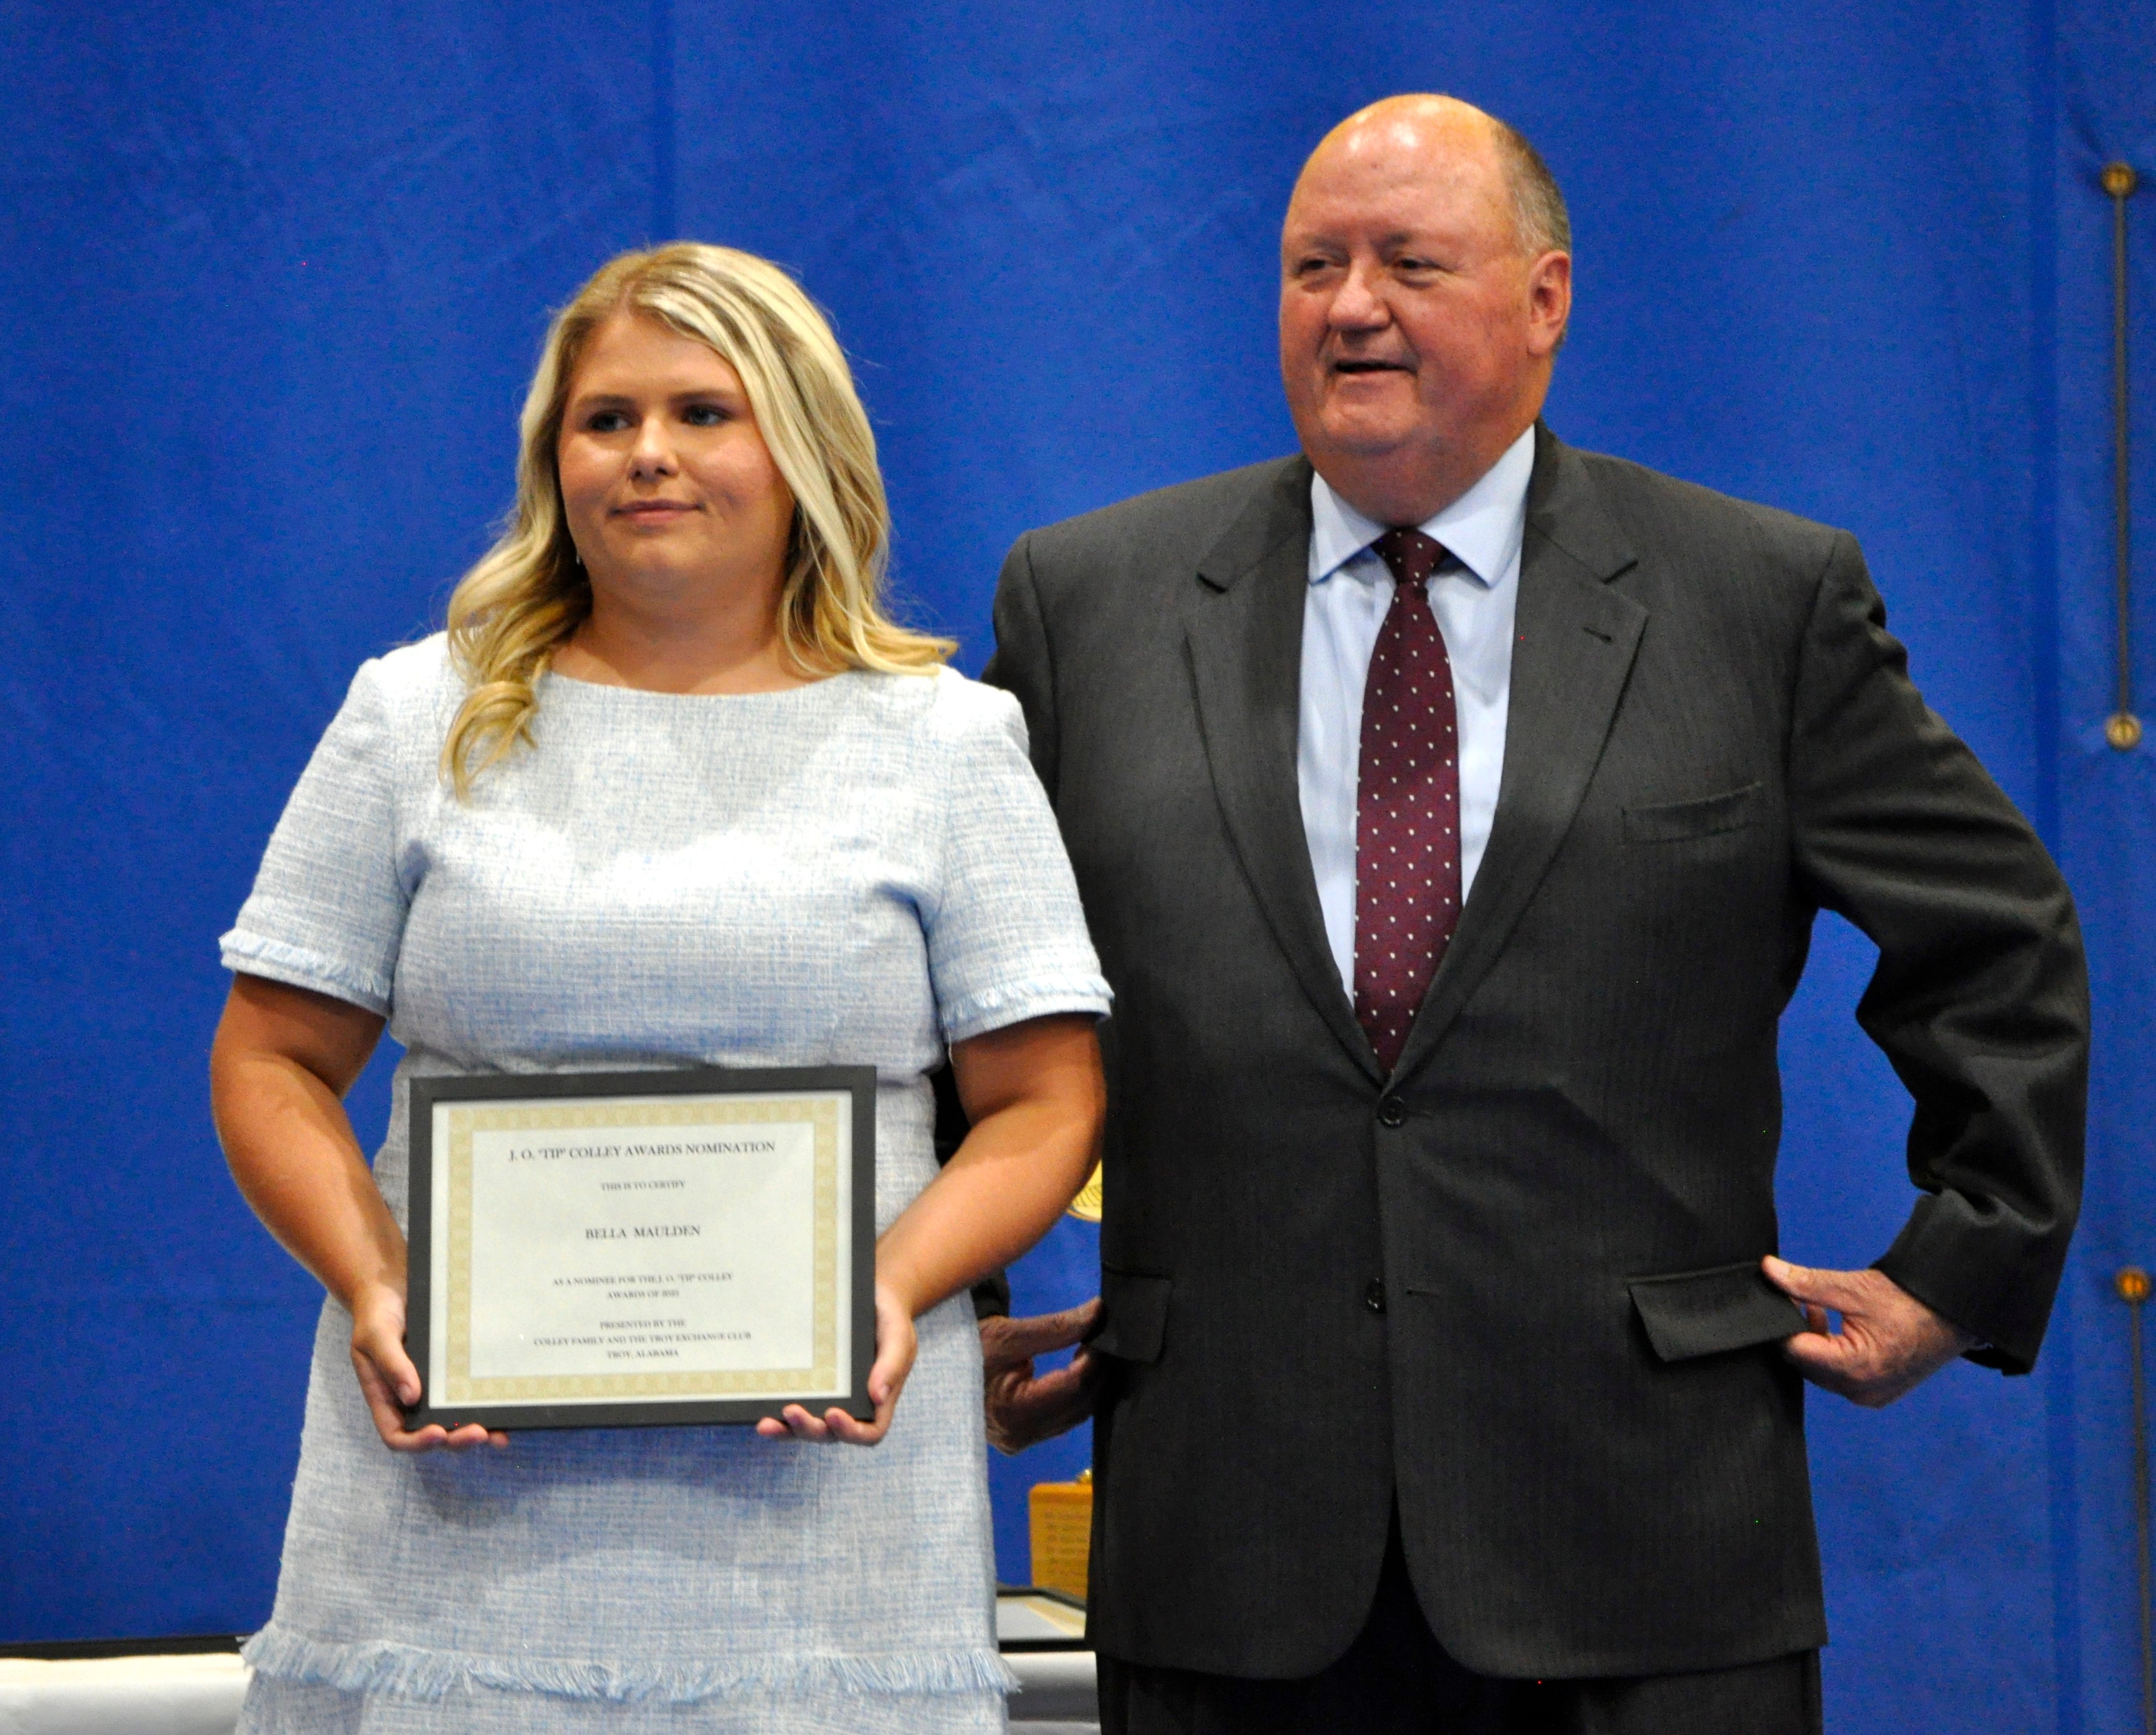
[[1411, 319]]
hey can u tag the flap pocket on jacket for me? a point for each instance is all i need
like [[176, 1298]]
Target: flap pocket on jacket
[[1134, 1315], [1703, 1313], [1673, 822]]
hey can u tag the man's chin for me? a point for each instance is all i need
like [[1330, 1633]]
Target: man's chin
[[1366, 438]]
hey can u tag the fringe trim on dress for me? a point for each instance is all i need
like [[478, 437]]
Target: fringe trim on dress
[[381, 1666]]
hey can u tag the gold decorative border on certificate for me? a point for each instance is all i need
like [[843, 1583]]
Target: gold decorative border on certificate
[[820, 1111]]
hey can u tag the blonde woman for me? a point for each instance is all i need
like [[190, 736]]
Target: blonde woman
[[671, 789]]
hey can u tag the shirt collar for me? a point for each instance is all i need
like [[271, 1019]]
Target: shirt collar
[[1483, 528]]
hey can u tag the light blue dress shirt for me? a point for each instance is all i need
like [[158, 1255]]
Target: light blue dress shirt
[[1350, 589]]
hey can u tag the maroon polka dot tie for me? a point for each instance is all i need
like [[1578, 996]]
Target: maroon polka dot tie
[[1406, 804]]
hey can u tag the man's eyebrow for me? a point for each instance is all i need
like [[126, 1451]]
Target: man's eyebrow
[[1392, 241]]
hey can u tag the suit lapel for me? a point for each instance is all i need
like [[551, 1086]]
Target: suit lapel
[[1244, 631], [1573, 641]]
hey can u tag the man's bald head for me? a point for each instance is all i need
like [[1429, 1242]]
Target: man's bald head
[[1538, 209], [1424, 289]]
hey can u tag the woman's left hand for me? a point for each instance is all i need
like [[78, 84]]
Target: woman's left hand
[[895, 1346], [1034, 1093]]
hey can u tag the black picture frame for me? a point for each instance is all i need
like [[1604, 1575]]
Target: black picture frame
[[425, 1093]]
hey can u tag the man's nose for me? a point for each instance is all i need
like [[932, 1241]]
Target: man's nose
[[653, 454], [1360, 304]]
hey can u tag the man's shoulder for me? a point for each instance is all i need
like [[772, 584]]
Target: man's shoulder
[[1667, 515], [1176, 525]]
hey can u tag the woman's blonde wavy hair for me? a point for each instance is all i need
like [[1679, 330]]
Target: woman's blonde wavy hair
[[510, 613]]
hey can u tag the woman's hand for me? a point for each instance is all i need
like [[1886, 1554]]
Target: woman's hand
[[896, 1344], [1034, 1095], [283, 1060], [388, 1380]]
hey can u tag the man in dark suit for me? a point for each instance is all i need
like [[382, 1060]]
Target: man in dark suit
[[1452, 809]]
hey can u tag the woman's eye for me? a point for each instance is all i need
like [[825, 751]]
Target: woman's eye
[[704, 415], [605, 421]]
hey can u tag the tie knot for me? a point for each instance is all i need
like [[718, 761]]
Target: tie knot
[[1412, 556]]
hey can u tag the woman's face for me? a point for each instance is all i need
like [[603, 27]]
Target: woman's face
[[665, 475]]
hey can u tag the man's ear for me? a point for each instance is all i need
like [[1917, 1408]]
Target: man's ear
[[1549, 302]]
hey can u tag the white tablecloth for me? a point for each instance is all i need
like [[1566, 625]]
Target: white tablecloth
[[122, 1696]]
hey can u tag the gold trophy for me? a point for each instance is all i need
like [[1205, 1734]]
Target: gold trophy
[[1062, 1514], [1087, 1207]]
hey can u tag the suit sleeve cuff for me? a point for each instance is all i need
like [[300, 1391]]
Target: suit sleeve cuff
[[1941, 1258]]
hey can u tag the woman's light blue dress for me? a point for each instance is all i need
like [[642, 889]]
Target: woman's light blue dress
[[858, 870]]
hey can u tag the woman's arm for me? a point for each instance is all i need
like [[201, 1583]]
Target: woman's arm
[[1035, 1096], [283, 1059]]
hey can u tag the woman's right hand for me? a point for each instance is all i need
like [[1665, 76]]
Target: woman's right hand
[[283, 1060], [388, 1380]]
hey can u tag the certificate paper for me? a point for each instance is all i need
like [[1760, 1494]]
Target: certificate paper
[[602, 1250]]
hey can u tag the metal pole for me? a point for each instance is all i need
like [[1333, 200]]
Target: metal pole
[[2124, 730], [2133, 1285]]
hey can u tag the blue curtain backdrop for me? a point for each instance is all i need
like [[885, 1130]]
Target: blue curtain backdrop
[[272, 279]]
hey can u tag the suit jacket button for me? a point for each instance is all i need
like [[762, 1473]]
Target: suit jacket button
[[1374, 1297], [1390, 1113]]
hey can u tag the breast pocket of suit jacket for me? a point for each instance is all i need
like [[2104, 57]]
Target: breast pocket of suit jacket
[[1723, 815], [1693, 898]]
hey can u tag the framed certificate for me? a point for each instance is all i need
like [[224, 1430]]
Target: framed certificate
[[608, 1250]]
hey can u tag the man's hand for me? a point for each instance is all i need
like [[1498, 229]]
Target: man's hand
[[1890, 1343], [1022, 1410]]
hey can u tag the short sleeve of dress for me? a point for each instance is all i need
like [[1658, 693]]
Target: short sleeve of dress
[[327, 911], [1007, 940]]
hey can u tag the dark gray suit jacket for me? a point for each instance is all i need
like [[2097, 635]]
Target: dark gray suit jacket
[[1514, 1286]]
